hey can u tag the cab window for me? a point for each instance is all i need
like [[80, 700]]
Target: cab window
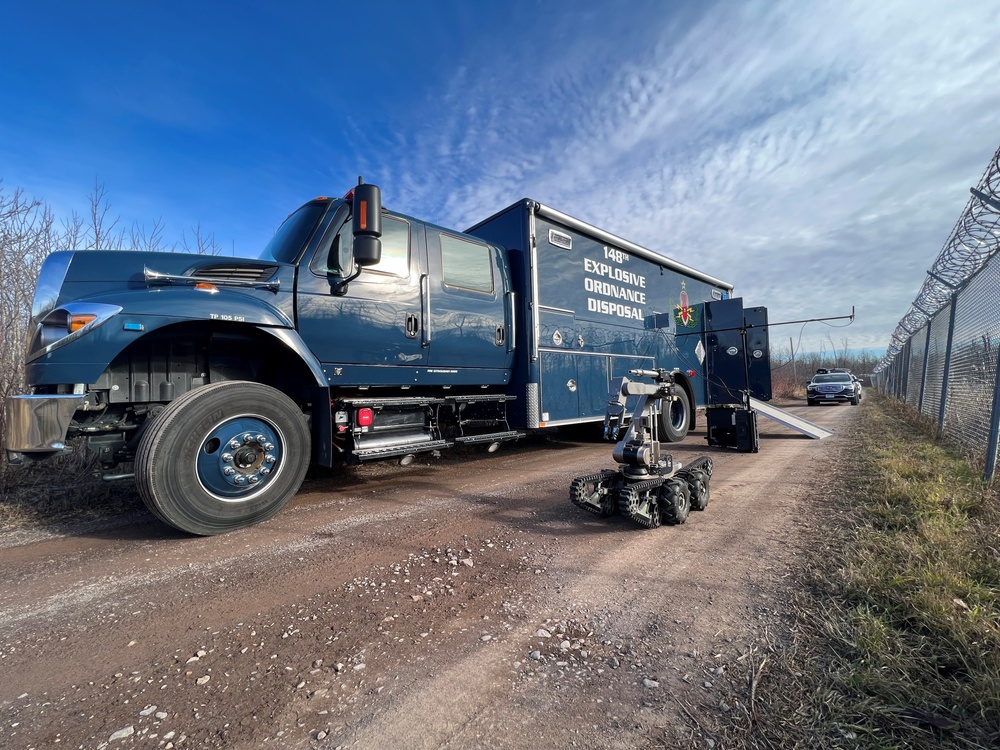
[[466, 265], [395, 251]]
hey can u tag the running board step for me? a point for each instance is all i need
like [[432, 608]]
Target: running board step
[[388, 451], [791, 421], [493, 437]]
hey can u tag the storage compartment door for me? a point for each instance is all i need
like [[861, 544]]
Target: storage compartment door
[[559, 387], [758, 352]]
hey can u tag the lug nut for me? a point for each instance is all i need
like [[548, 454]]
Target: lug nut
[[269, 458], [268, 446], [248, 438], [227, 457], [241, 479], [229, 471], [254, 479], [260, 438], [234, 443], [265, 470]]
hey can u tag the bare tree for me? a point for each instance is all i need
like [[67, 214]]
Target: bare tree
[[204, 244], [150, 241], [102, 226], [29, 232], [26, 236]]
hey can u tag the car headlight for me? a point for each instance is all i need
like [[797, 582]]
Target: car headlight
[[68, 323]]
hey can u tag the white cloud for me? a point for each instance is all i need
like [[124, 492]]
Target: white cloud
[[817, 155]]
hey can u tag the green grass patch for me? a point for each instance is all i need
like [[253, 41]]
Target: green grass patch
[[896, 641]]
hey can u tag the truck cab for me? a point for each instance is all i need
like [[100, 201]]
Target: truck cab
[[434, 310]]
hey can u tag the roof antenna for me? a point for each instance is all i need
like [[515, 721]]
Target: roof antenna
[[360, 181]]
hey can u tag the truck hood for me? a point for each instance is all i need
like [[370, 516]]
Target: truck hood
[[68, 276]]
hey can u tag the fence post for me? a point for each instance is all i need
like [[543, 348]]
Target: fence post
[[991, 446], [947, 362], [904, 380], [923, 371]]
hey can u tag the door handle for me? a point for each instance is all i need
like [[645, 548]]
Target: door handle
[[412, 326], [501, 336]]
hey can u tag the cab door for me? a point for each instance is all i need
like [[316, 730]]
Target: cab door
[[467, 297], [374, 326]]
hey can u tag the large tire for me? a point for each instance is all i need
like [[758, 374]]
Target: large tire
[[675, 417], [222, 457]]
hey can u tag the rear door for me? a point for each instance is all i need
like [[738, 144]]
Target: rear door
[[468, 306], [758, 352]]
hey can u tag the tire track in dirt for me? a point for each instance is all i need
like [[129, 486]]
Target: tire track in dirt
[[366, 567]]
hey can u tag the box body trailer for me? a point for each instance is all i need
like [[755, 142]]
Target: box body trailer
[[358, 334], [595, 306]]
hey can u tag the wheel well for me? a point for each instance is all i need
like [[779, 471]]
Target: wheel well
[[173, 360]]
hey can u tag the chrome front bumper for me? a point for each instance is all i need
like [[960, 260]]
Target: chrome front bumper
[[38, 424]]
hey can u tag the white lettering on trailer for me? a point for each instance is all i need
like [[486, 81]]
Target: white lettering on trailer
[[618, 256], [612, 308], [616, 274], [611, 290], [629, 288]]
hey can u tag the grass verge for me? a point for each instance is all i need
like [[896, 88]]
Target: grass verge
[[895, 640]]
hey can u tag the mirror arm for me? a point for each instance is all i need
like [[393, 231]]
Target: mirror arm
[[338, 285]]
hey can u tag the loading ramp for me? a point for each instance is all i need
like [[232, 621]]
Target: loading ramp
[[789, 420]]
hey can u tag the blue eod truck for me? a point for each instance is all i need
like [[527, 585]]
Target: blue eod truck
[[358, 334]]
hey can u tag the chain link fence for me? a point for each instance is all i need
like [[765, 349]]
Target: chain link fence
[[942, 359]]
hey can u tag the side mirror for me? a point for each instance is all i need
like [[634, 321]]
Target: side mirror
[[367, 226]]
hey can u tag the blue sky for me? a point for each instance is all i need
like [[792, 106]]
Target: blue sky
[[815, 154]]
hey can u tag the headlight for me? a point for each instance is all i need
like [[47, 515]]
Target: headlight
[[68, 323]]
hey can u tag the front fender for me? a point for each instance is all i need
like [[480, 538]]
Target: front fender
[[83, 358]]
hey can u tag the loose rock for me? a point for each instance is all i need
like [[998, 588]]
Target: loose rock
[[122, 734]]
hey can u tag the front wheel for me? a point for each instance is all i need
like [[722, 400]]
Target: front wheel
[[675, 417], [222, 457]]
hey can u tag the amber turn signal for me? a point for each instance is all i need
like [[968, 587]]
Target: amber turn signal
[[76, 322]]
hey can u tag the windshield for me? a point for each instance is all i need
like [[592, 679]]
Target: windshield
[[832, 378], [294, 233]]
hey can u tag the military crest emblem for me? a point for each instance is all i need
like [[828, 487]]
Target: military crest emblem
[[684, 313]]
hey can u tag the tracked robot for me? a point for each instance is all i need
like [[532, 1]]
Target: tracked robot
[[648, 486]]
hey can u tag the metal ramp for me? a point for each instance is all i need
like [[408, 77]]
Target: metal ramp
[[790, 420]]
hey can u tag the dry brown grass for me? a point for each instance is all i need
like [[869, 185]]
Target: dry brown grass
[[60, 491], [894, 639]]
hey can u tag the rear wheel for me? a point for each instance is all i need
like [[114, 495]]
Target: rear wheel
[[697, 483], [222, 457], [674, 501], [675, 417]]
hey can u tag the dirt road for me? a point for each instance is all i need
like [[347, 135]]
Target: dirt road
[[461, 603]]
